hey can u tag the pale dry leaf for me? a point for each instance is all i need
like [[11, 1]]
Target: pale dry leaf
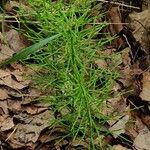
[[6, 123], [101, 64], [145, 94], [33, 109], [3, 94], [142, 141], [119, 127], [78, 142], [4, 107], [8, 81], [114, 107], [119, 147], [136, 20], [13, 79], [3, 73]]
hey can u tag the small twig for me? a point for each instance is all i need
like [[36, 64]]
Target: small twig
[[108, 23], [120, 4], [13, 21], [11, 134]]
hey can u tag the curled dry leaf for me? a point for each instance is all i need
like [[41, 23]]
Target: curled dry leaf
[[7, 79], [33, 109]]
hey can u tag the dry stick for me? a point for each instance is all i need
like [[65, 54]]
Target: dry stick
[[11, 134], [120, 4], [109, 23], [12, 21]]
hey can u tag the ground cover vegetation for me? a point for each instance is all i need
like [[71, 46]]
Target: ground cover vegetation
[[76, 88]]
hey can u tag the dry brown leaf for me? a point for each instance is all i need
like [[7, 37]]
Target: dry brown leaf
[[4, 107], [11, 5], [8, 81], [5, 52], [142, 141], [3, 94], [7, 78], [14, 105], [29, 131], [33, 109], [3, 73], [6, 123], [136, 20], [15, 40], [145, 94], [115, 108], [119, 147], [101, 64], [119, 127]]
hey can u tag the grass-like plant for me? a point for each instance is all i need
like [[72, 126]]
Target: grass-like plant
[[75, 88]]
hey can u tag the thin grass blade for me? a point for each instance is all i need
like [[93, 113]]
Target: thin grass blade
[[24, 53]]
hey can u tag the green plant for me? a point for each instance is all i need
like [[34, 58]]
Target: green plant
[[74, 86]]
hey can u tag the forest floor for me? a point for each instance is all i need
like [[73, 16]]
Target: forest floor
[[72, 78]]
